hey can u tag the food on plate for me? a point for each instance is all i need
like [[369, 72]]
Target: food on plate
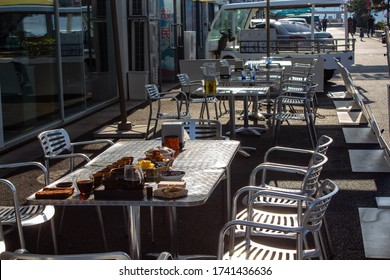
[[170, 190], [158, 152], [146, 164], [171, 175]]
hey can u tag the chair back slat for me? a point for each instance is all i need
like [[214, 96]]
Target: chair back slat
[[316, 210], [152, 91], [203, 129], [311, 179], [184, 79], [54, 142]]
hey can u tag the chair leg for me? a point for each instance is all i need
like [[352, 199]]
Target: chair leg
[[100, 217], [155, 129], [216, 110]]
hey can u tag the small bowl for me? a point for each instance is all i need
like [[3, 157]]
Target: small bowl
[[64, 185], [171, 175]]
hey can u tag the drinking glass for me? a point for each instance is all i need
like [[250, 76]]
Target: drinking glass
[[84, 183]]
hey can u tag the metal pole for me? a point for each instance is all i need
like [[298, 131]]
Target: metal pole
[[123, 124], [268, 29]]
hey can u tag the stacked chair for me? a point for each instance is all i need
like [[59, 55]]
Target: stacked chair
[[297, 100], [272, 212]]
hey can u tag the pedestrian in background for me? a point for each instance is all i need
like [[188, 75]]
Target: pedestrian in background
[[324, 23], [371, 22], [361, 34], [350, 26], [354, 22]]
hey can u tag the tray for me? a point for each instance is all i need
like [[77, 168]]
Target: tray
[[135, 194]]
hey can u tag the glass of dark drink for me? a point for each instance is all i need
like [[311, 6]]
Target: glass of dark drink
[[134, 176], [84, 183]]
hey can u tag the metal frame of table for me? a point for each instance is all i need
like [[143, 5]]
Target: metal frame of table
[[204, 161], [235, 91]]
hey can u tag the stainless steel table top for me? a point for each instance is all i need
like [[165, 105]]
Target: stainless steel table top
[[204, 162]]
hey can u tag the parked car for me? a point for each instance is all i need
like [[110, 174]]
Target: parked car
[[293, 35], [293, 30], [301, 20]]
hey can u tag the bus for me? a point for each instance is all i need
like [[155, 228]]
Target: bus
[[226, 37]]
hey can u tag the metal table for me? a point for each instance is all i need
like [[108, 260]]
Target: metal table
[[203, 173], [231, 92]]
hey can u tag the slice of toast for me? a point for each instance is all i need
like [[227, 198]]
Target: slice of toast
[[54, 193]]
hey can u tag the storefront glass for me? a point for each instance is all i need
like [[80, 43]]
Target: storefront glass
[[52, 68]]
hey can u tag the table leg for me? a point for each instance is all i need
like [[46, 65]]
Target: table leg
[[232, 112], [172, 220], [228, 193], [134, 232]]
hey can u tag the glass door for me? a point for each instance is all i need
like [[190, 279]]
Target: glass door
[[171, 38]]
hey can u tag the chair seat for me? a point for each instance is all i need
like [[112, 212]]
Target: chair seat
[[287, 116], [258, 251], [31, 214], [182, 115], [202, 100], [285, 218]]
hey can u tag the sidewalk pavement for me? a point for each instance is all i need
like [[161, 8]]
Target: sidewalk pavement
[[199, 226]]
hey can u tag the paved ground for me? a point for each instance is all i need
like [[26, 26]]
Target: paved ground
[[199, 226]]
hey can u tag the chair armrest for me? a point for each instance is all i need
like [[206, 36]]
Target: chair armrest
[[266, 166], [74, 155], [286, 149], [26, 164], [98, 141]]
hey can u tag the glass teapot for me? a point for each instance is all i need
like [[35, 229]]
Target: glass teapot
[[133, 176]]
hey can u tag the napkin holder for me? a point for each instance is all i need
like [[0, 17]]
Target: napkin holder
[[174, 129], [225, 71], [238, 65]]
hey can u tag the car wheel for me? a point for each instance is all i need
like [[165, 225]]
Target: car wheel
[[328, 74]]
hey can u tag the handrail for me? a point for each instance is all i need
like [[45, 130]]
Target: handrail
[[325, 45]]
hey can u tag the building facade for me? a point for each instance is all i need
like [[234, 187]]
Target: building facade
[[57, 60]]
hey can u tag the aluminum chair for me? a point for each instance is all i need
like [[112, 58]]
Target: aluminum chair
[[198, 129], [155, 95], [56, 144], [295, 228], [26, 215], [285, 111], [186, 85], [116, 255], [309, 187]]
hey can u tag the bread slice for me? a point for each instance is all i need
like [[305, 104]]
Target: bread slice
[[54, 193]]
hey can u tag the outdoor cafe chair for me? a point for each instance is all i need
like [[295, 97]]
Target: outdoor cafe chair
[[308, 187], [155, 95], [287, 235], [20, 216], [56, 144], [186, 85], [285, 111]]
